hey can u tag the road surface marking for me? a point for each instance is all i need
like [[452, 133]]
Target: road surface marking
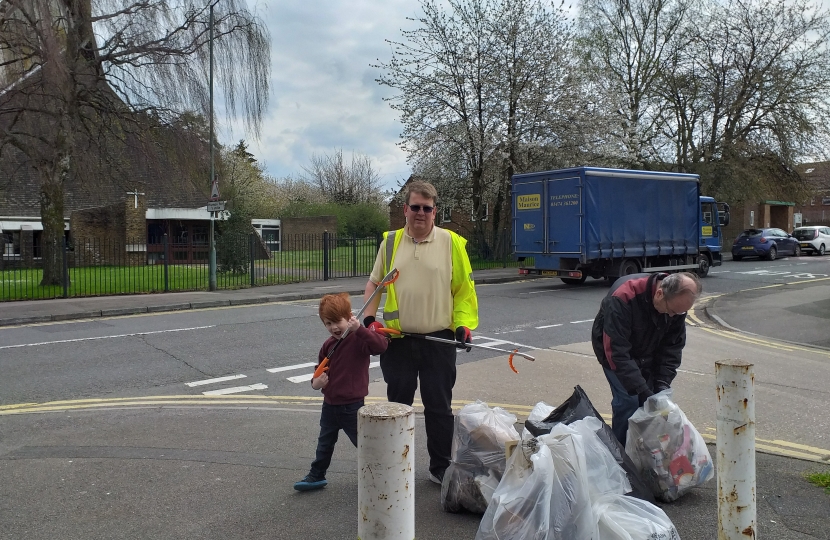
[[578, 322], [548, 326], [289, 368], [235, 390], [216, 380], [778, 447], [104, 337]]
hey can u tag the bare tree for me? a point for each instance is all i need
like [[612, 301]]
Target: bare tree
[[749, 96], [76, 72], [344, 182], [628, 44], [478, 83]]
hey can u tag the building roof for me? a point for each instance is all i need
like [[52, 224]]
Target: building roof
[[816, 174], [168, 175]]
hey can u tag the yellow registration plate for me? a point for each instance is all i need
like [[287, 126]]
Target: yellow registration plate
[[748, 248], [550, 272], [805, 244]]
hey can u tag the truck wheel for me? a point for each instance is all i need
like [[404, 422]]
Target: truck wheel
[[574, 280], [628, 267], [703, 268]]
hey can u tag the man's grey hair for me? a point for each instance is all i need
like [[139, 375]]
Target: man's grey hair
[[674, 285]]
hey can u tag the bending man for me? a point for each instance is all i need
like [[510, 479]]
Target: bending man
[[638, 338]]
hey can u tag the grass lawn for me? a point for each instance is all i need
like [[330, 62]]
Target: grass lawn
[[283, 267]]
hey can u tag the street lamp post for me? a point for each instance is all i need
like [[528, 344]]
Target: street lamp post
[[212, 256]]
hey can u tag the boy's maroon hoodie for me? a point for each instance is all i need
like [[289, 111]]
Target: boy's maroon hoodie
[[349, 365]]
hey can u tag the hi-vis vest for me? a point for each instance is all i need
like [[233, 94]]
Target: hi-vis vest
[[465, 302]]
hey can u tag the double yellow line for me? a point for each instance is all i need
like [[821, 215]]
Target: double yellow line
[[779, 447]]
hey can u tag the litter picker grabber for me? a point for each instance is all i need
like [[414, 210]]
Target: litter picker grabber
[[387, 280], [392, 331]]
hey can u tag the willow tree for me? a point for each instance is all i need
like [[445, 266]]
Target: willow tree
[[96, 70]]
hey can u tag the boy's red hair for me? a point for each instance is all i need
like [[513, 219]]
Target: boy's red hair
[[334, 307]]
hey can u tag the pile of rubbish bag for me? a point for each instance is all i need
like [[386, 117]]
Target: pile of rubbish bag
[[566, 477]]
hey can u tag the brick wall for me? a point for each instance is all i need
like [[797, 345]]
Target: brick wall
[[302, 232], [115, 234]]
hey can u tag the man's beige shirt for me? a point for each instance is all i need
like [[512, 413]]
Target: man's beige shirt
[[424, 287]]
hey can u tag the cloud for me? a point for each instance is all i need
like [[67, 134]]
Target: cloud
[[323, 91]]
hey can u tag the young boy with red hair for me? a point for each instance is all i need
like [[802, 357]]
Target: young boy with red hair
[[344, 385]]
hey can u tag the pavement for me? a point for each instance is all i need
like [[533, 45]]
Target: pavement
[[193, 467]]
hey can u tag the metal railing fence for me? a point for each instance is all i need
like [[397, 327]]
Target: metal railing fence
[[97, 266]]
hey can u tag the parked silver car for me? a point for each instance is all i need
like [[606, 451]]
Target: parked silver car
[[813, 239]]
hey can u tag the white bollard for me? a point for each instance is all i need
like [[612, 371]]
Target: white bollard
[[386, 472], [736, 450]]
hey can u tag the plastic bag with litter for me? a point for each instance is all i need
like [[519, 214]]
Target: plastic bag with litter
[[670, 454], [478, 459]]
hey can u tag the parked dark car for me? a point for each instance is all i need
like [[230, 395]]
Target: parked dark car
[[767, 243]]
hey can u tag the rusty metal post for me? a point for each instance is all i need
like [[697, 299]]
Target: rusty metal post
[[736, 450], [386, 472]]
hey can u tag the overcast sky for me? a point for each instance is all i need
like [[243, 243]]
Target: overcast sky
[[323, 90]]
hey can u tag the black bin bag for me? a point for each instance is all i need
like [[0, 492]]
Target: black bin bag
[[577, 407]]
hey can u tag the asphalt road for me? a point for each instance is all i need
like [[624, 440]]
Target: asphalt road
[[269, 349], [186, 468]]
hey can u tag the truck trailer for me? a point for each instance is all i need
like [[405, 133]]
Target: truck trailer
[[605, 223]]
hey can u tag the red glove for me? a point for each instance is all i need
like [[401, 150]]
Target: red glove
[[463, 335], [370, 323]]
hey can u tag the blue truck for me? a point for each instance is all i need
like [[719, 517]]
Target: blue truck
[[605, 223]]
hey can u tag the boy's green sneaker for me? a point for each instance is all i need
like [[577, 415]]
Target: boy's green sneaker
[[309, 483]]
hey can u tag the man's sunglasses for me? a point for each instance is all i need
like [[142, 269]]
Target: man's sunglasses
[[417, 208]]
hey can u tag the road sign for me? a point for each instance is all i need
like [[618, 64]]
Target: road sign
[[216, 206], [214, 189]]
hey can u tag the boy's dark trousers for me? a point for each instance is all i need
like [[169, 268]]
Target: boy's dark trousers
[[404, 362], [333, 418]]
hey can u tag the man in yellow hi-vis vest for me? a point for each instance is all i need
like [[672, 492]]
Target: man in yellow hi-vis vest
[[434, 295]]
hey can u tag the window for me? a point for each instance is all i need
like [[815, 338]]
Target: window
[[812, 201], [446, 214], [485, 212], [825, 201]]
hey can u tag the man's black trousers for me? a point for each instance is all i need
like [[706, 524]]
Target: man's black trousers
[[404, 362]]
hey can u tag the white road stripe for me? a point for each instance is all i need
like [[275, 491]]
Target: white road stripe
[[492, 342], [586, 320], [540, 292], [235, 390], [104, 337], [289, 368], [548, 326], [497, 342], [309, 376], [216, 380]]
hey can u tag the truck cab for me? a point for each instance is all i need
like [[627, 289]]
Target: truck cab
[[713, 216]]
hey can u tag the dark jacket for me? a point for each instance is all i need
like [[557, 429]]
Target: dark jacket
[[634, 340], [349, 365]]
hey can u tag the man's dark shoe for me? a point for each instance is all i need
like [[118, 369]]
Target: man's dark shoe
[[310, 483], [437, 476]]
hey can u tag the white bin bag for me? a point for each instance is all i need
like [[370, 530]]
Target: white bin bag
[[520, 507], [627, 518]]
